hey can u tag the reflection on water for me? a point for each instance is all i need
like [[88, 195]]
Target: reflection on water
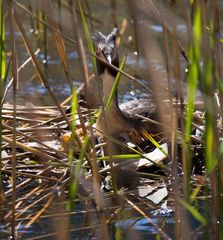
[[143, 229], [153, 197]]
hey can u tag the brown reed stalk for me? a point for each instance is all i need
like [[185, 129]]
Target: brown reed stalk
[[39, 142], [11, 81], [15, 82], [34, 151]]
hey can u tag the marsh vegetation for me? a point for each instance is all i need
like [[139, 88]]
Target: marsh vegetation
[[120, 146]]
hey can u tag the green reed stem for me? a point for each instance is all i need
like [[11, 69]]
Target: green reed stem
[[87, 34], [115, 86], [193, 75]]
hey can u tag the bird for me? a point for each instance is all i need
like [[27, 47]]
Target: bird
[[91, 99], [122, 124]]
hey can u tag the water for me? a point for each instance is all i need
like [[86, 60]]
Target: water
[[30, 88], [153, 197]]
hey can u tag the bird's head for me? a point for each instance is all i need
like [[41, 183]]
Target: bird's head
[[105, 48]]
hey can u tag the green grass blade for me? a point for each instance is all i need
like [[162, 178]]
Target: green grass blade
[[74, 103], [155, 143], [2, 86], [74, 109], [75, 173], [120, 157], [195, 192], [88, 35], [193, 211], [210, 154], [115, 86], [210, 120], [193, 75]]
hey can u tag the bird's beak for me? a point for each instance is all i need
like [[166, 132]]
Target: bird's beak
[[109, 59]]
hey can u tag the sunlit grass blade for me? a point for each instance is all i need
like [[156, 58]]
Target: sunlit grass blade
[[115, 86], [120, 157], [193, 211], [3, 83], [118, 233], [76, 171], [210, 120], [195, 192], [3, 76], [154, 142], [211, 157], [74, 104], [74, 109], [87, 34], [193, 75]]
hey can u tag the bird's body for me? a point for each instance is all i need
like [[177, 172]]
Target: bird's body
[[119, 124], [122, 124]]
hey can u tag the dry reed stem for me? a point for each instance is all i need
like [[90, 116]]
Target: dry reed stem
[[21, 185], [39, 142], [34, 151], [29, 175], [34, 203], [11, 81]]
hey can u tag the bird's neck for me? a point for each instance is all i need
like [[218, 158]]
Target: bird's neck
[[108, 82]]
